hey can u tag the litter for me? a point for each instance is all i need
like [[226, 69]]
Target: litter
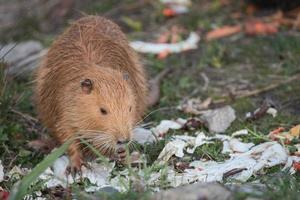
[[240, 132], [175, 7], [157, 48], [272, 111], [179, 143], [244, 165], [165, 125], [238, 146], [97, 174], [1, 172]]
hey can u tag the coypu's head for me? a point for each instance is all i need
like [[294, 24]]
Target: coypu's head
[[103, 108]]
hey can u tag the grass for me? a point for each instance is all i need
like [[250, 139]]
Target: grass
[[236, 62], [21, 188]]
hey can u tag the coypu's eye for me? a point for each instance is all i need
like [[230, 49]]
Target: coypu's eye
[[103, 111], [130, 109], [86, 86]]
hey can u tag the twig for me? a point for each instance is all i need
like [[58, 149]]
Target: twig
[[206, 81], [25, 116], [261, 90], [270, 87], [233, 172]]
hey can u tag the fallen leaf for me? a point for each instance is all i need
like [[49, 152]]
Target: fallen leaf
[[256, 27], [164, 37], [162, 55], [296, 166], [222, 32], [169, 12], [261, 111], [195, 105], [251, 9], [193, 123], [295, 131], [4, 194], [277, 131]]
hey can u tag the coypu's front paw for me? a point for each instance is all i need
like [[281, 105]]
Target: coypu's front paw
[[75, 166], [120, 155]]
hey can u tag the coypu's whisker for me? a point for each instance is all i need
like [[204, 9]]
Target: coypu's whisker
[[154, 111], [132, 145], [93, 131], [98, 139], [100, 146]]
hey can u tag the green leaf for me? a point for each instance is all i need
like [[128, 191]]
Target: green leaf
[[134, 24], [20, 189]]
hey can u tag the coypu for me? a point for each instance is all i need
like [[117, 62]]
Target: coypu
[[91, 85]]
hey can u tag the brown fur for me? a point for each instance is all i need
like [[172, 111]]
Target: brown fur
[[94, 48]]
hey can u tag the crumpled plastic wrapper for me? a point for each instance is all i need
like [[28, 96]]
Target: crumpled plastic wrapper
[[157, 48], [97, 174], [179, 6], [241, 166], [1, 172], [166, 125], [245, 158]]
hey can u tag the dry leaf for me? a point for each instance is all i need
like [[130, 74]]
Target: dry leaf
[[164, 37], [295, 131], [162, 55], [169, 12], [256, 27], [195, 105], [222, 32], [251, 9], [4, 194], [296, 166]]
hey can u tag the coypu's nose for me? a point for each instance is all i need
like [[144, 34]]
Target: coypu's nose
[[122, 141]]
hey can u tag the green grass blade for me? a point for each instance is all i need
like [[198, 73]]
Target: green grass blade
[[21, 188]]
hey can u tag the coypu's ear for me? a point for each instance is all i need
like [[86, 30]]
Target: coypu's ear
[[126, 76], [86, 86]]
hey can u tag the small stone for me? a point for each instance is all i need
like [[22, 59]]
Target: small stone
[[220, 119], [22, 58], [203, 191], [142, 136]]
